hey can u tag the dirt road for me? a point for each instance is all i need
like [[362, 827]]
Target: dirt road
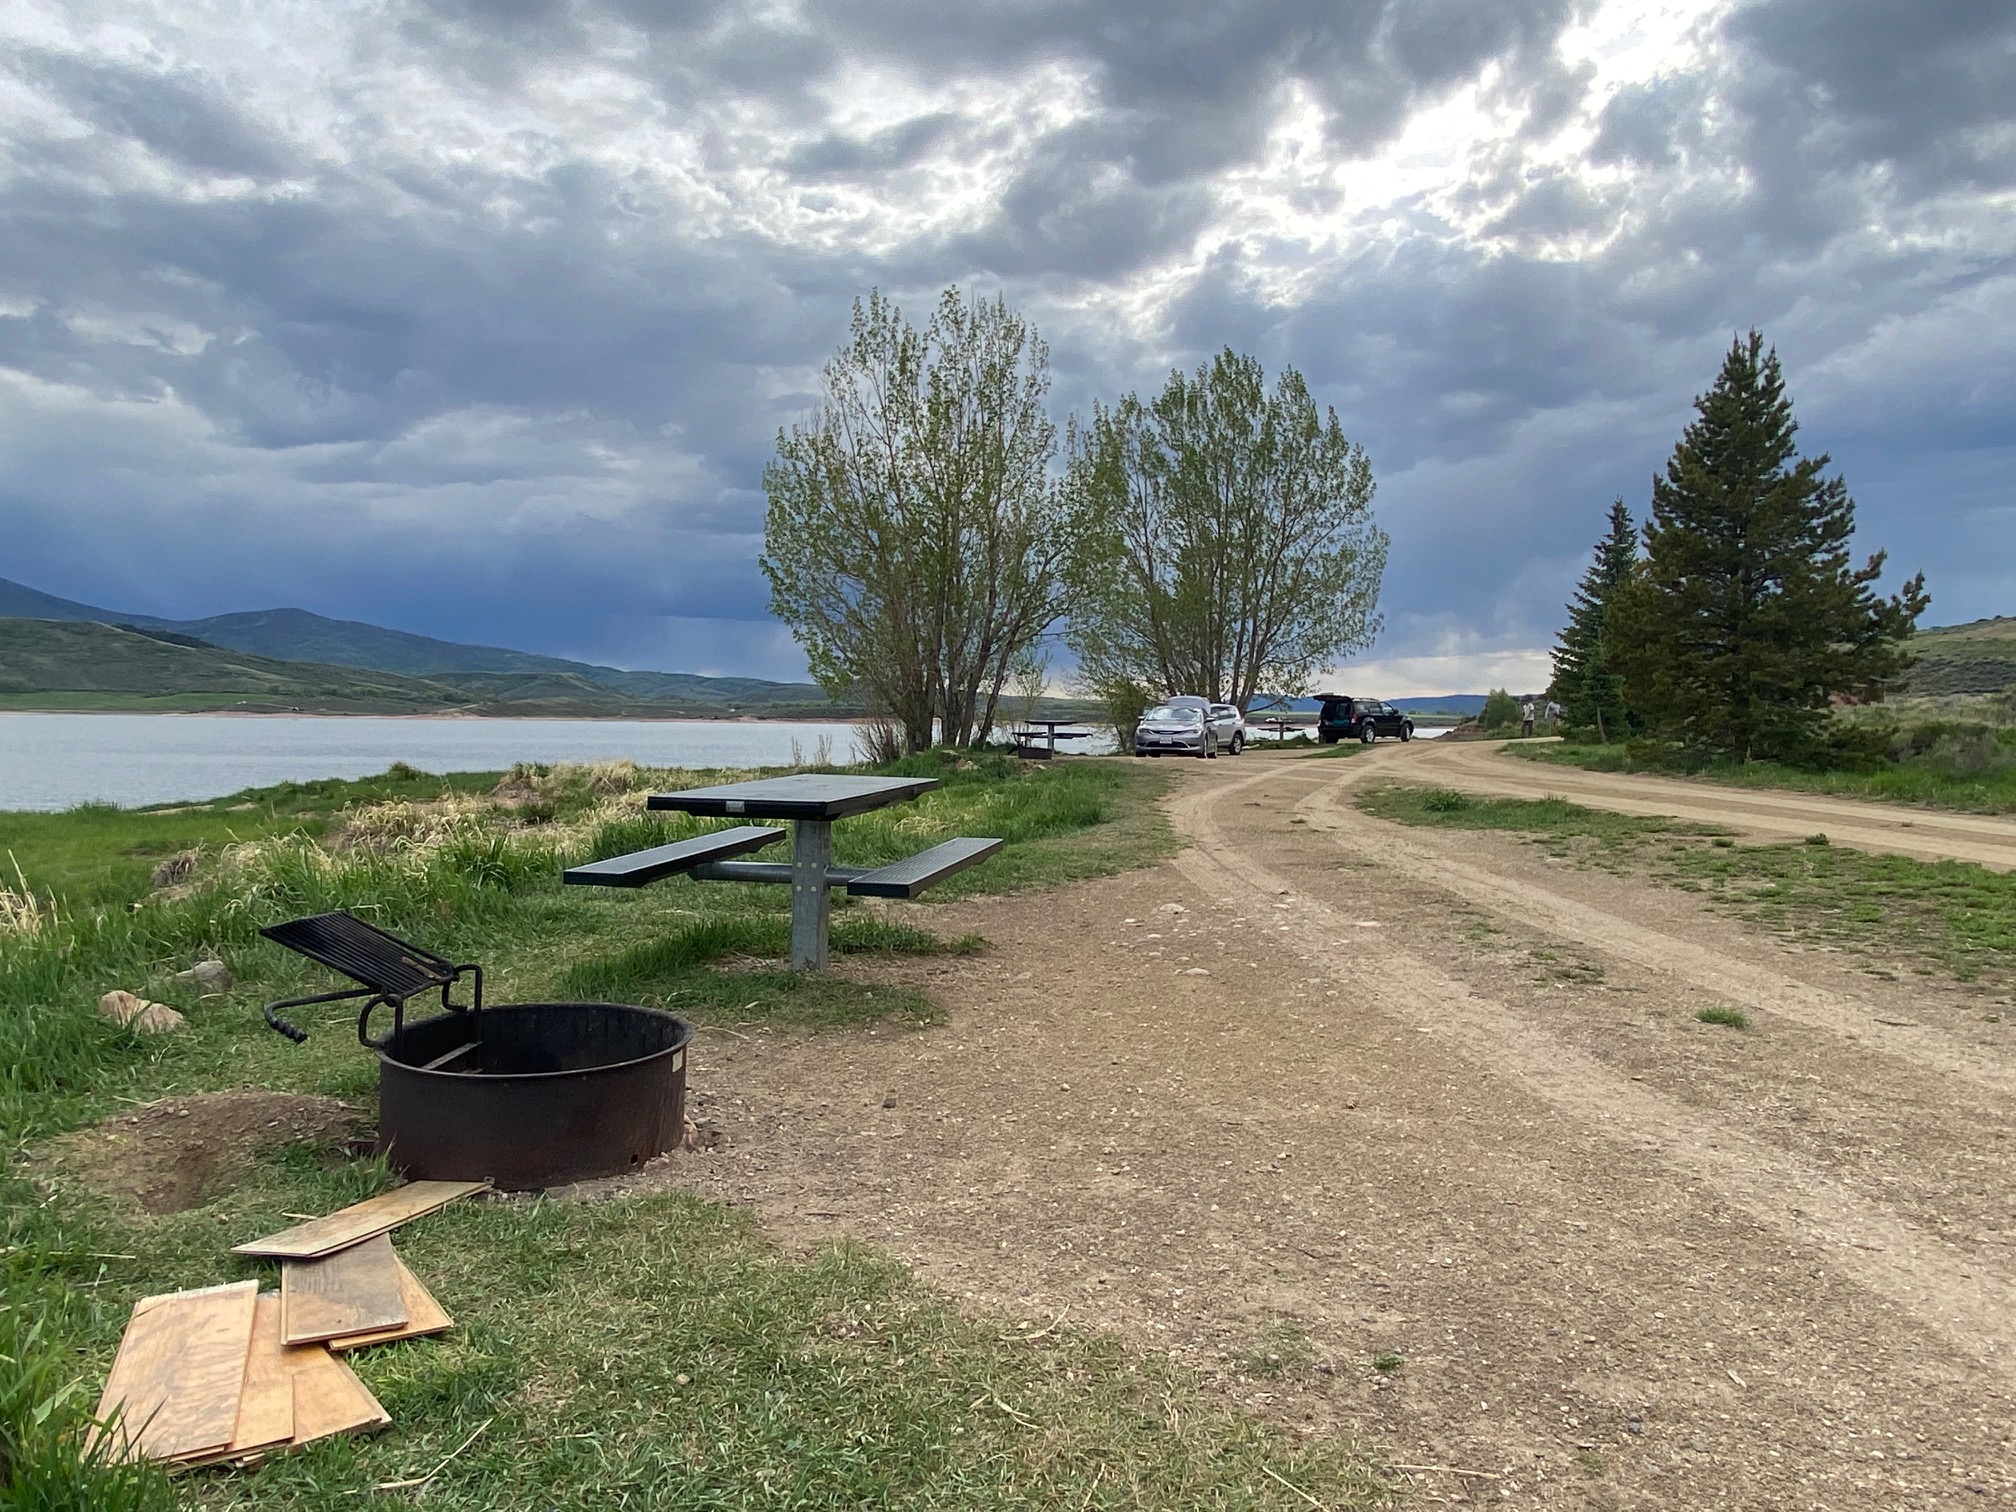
[[1479, 767], [1324, 1092]]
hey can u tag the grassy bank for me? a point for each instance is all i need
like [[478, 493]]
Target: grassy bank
[[1968, 767], [652, 1352], [1950, 918]]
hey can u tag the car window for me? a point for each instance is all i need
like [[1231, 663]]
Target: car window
[[1170, 714]]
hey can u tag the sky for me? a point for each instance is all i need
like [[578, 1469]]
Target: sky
[[480, 320]]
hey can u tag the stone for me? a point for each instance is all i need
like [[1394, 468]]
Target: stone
[[139, 1015], [209, 978]]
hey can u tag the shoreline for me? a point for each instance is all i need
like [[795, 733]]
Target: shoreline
[[838, 719]]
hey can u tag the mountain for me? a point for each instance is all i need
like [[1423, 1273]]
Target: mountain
[[86, 663], [1441, 703], [296, 635]]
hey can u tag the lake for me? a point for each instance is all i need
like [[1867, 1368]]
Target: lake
[[54, 761]]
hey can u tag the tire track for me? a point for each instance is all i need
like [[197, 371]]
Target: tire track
[[1746, 982], [1864, 824], [1971, 1304]]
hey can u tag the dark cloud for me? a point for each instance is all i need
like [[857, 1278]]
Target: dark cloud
[[535, 295]]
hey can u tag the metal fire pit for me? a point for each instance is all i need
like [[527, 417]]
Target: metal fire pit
[[521, 1094], [546, 1094]]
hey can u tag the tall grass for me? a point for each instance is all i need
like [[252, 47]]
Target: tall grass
[[50, 1460]]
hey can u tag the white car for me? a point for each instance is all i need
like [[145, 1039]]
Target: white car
[[1231, 727]]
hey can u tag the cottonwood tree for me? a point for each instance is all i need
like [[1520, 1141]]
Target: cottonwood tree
[[1747, 619], [916, 537], [1226, 534], [1591, 695]]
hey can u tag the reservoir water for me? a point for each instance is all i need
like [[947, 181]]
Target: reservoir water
[[54, 761]]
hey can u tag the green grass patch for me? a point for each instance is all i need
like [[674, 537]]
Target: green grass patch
[[1445, 808], [1952, 917], [653, 1352], [1972, 772], [1727, 1018]]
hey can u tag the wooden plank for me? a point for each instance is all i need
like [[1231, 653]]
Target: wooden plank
[[180, 1372], [266, 1401], [423, 1316], [355, 1290], [328, 1397], [360, 1221]]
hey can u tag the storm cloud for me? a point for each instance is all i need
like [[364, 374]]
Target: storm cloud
[[480, 320]]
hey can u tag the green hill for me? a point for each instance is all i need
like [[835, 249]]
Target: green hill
[[296, 635], [82, 664], [1961, 659]]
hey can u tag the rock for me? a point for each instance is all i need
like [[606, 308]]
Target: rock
[[139, 1015], [889, 1101], [209, 978], [1171, 908], [1195, 971]]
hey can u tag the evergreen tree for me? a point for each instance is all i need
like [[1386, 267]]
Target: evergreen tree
[[1591, 695], [1747, 621]]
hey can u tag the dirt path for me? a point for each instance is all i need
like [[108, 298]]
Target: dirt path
[[1322, 1091], [1478, 767]]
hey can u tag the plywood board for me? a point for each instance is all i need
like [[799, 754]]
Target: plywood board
[[423, 1316], [328, 1397], [266, 1402], [361, 1220], [179, 1376], [355, 1290]]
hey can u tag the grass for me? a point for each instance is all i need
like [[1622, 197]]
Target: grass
[[97, 853], [1948, 917], [1972, 772], [1727, 1018], [655, 1352]]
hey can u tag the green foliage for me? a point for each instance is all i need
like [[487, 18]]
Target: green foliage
[[915, 540], [1501, 710], [1590, 693], [1226, 538], [1727, 1018], [1747, 619]]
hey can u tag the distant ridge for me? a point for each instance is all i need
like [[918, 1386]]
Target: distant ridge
[[297, 635]]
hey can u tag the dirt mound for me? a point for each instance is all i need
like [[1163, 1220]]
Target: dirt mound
[[178, 1153]]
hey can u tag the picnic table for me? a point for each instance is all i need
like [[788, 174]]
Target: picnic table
[[1025, 740], [1283, 728], [812, 802]]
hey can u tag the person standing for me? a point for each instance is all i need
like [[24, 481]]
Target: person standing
[[1526, 717]]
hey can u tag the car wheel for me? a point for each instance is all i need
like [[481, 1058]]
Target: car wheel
[[1365, 735], [1407, 732], [1238, 743]]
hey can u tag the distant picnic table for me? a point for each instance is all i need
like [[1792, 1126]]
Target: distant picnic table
[[1053, 730]]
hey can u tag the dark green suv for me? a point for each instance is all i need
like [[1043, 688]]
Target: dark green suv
[[1366, 719]]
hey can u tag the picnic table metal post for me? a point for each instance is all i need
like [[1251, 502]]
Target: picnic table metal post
[[811, 852]]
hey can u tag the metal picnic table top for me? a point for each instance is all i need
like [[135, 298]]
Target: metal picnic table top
[[802, 795]]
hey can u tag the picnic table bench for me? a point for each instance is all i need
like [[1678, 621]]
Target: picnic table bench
[[811, 802]]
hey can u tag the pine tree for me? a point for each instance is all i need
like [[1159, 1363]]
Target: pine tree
[[1591, 695], [1746, 621]]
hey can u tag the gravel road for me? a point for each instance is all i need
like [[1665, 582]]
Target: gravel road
[[1324, 1091]]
